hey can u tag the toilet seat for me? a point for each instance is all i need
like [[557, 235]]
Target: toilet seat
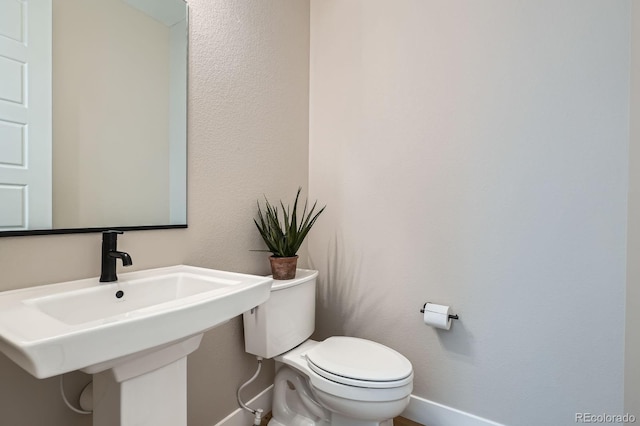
[[298, 359], [358, 362], [358, 393]]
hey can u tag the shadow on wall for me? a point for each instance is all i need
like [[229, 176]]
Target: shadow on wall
[[346, 305], [458, 341], [342, 298]]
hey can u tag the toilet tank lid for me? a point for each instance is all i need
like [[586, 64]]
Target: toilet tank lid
[[302, 276], [360, 359]]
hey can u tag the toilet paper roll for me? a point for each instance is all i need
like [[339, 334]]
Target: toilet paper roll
[[437, 316]]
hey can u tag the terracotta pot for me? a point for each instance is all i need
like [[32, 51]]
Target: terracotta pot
[[283, 268]]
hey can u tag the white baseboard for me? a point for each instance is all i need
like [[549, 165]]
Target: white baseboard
[[420, 410], [242, 417], [431, 413]]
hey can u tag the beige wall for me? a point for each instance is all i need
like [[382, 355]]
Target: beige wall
[[474, 154], [248, 132], [111, 116]]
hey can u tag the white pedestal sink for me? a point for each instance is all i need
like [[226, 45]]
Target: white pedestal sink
[[133, 335]]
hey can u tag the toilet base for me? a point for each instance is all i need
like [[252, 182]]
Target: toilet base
[[338, 420], [295, 403], [360, 413], [344, 421]]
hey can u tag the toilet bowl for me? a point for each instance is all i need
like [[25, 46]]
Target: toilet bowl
[[367, 394], [341, 381]]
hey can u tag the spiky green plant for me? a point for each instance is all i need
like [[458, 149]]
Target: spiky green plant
[[284, 238]]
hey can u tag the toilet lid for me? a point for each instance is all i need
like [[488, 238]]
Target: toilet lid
[[358, 359]]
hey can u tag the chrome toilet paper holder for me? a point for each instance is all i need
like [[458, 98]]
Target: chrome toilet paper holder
[[453, 317]]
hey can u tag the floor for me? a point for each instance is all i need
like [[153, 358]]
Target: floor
[[398, 421], [266, 419], [401, 421]]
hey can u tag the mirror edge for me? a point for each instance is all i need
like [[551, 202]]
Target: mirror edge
[[28, 232]]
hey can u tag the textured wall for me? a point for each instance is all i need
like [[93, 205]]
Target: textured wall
[[248, 136], [475, 154], [248, 132]]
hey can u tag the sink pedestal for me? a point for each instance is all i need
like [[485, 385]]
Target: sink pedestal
[[149, 389]]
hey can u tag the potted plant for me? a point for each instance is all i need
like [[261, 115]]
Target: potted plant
[[284, 234]]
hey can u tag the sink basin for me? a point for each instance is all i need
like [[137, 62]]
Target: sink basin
[[53, 329]]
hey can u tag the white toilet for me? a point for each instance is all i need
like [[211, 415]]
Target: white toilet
[[341, 381]]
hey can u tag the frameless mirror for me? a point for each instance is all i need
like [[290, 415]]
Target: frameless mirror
[[93, 100]]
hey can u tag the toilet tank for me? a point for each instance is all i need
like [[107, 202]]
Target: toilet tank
[[285, 320]]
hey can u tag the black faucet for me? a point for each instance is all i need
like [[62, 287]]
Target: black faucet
[[109, 255]]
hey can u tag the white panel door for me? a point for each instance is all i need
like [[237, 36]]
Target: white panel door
[[25, 114]]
